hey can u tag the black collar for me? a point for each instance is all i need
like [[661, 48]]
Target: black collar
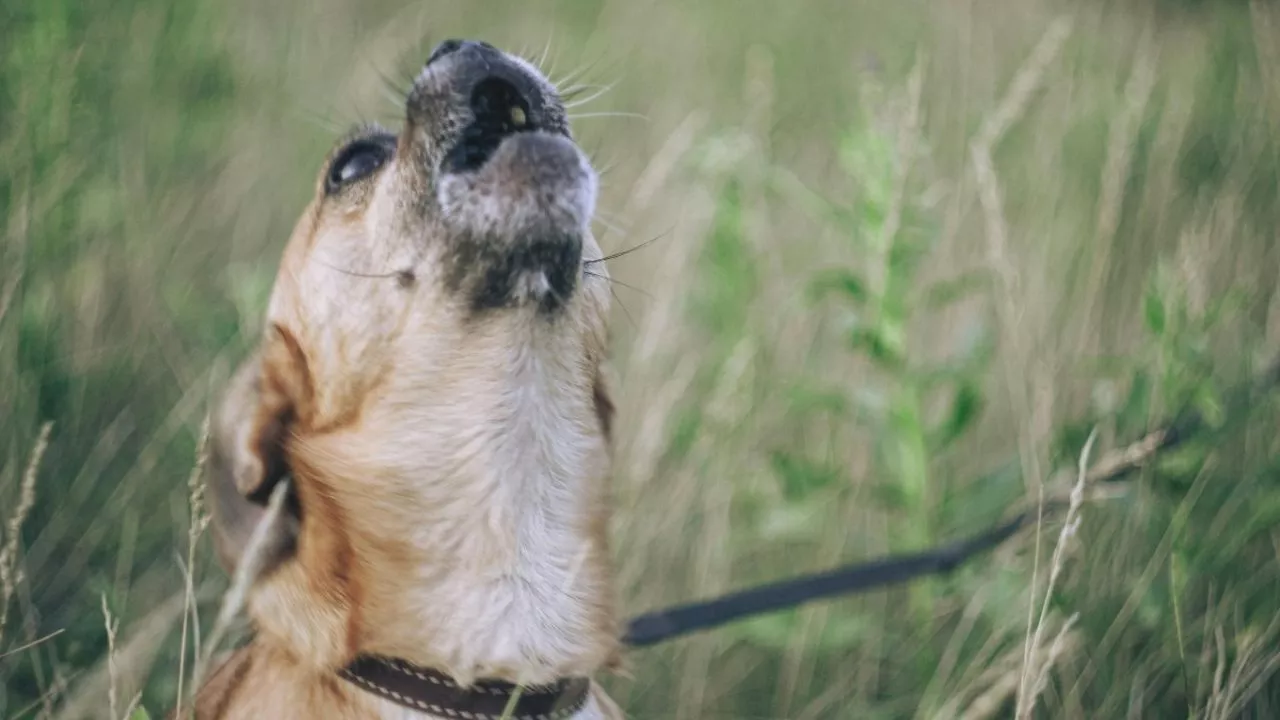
[[436, 693]]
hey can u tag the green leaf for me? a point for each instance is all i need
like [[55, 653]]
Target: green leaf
[[966, 406], [1179, 466], [801, 476], [842, 281], [877, 347], [139, 713], [1153, 311], [904, 258]]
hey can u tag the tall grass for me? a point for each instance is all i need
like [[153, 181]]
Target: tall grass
[[906, 265]]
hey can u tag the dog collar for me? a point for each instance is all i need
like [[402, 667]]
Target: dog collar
[[434, 692]]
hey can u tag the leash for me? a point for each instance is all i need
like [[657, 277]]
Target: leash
[[679, 620], [654, 627]]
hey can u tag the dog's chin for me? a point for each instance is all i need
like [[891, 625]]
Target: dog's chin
[[518, 221]]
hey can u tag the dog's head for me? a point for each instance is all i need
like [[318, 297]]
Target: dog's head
[[438, 319]]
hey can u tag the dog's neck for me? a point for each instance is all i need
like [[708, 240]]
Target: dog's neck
[[458, 522]]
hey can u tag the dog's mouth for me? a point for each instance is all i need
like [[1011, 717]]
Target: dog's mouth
[[499, 110]]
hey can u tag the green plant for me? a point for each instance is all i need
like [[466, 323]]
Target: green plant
[[889, 225]]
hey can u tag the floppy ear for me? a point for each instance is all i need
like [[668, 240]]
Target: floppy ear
[[247, 458]]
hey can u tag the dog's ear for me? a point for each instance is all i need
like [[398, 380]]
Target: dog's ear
[[247, 453]]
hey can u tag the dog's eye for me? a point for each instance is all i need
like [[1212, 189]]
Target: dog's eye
[[356, 161]]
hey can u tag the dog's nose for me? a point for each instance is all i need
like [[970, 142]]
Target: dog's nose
[[453, 45], [497, 87]]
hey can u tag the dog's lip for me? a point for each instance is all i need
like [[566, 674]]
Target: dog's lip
[[474, 150], [539, 171], [470, 154]]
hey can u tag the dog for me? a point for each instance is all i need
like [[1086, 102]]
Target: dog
[[430, 385]]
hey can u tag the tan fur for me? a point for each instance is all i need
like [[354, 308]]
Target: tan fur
[[450, 466]]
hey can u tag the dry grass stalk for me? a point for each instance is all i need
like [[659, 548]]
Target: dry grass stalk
[[1140, 586], [997, 124], [993, 129], [132, 707], [1032, 680], [1255, 662], [136, 651], [112, 626], [34, 643], [990, 702], [10, 574], [247, 570], [199, 521]]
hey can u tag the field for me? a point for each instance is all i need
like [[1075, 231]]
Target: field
[[899, 261]]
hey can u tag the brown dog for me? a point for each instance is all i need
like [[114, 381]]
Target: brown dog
[[431, 386]]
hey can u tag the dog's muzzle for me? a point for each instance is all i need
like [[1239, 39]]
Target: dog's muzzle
[[514, 191]]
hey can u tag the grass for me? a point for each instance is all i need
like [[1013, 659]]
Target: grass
[[909, 259]]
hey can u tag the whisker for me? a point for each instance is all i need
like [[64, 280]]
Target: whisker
[[391, 96], [611, 227], [625, 311], [393, 84], [599, 67], [322, 121], [634, 116], [603, 166], [572, 92], [546, 48], [401, 275], [551, 71], [575, 74], [615, 281], [628, 251]]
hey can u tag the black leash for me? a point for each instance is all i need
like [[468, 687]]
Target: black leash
[[655, 627]]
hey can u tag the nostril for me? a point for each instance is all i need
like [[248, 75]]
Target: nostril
[[499, 106], [448, 47]]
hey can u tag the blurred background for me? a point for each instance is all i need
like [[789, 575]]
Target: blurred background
[[906, 256]]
